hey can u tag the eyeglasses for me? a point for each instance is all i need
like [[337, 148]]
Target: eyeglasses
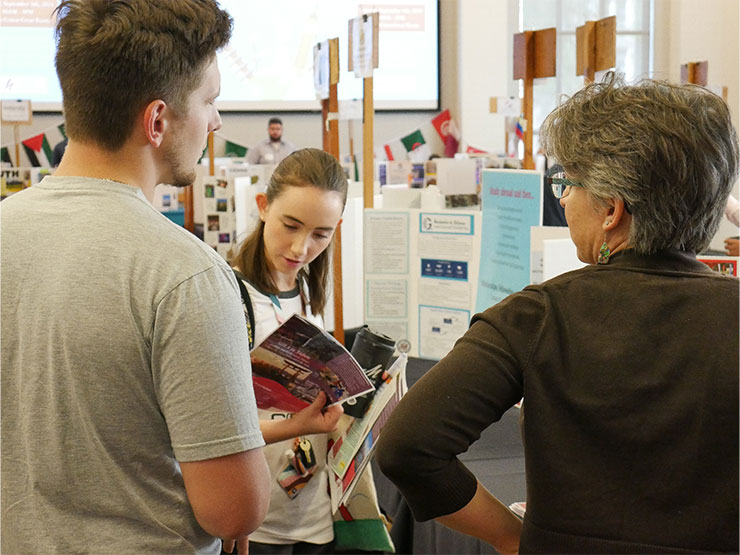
[[559, 184]]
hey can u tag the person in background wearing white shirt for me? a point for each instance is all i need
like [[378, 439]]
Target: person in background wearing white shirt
[[273, 149]]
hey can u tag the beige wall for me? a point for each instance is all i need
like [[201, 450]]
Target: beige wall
[[484, 50], [699, 30], [695, 31]]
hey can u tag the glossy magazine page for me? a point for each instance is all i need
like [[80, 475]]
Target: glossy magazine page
[[298, 360]]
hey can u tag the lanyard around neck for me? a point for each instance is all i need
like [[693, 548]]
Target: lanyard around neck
[[278, 309]]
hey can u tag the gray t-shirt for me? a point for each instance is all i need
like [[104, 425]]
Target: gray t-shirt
[[124, 350]]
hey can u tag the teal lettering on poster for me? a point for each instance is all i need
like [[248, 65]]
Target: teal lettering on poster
[[512, 203]]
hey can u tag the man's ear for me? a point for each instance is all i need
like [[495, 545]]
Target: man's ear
[[155, 122]]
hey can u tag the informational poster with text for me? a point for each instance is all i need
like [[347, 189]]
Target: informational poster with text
[[421, 258], [512, 203]]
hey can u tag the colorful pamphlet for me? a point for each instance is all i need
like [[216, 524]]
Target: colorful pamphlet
[[355, 439], [298, 360]]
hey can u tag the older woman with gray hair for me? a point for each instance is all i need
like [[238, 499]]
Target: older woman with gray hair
[[628, 367]]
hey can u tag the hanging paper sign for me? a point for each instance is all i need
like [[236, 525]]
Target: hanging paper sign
[[363, 44], [350, 109], [321, 69], [506, 105], [16, 112]]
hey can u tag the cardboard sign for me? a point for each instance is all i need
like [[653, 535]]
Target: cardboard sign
[[16, 112]]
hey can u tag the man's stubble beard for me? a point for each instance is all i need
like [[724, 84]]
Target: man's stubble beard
[[182, 175]]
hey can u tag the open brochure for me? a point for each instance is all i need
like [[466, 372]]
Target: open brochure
[[355, 439], [298, 360]]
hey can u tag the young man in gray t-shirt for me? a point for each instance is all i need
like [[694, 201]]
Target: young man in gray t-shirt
[[129, 419]]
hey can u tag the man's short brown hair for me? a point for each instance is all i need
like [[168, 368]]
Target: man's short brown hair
[[116, 56]]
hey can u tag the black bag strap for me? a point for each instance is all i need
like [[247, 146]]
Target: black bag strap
[[247, 304]]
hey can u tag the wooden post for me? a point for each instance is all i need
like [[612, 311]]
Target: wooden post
[[324, 125], [596, 47], [333, 144], [330, 105], [351, 132], [368, 117], [337, 285], [528, 103], [534, 58], [188, 202], [366, 53], [17, 140], [211, 156], [334, 124], [330, 136], [362, 58], [188, 208]]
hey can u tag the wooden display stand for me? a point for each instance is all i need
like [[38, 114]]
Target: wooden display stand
[[330, 140], [330, 104], [596, 47], [697, 73], [187, 201], [534, 58], [363, 59]]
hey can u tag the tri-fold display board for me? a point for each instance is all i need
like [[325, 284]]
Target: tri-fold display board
[[427, 272]]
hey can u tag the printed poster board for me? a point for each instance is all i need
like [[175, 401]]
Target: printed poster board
[[219, 219], [421, 273], [511, 204]]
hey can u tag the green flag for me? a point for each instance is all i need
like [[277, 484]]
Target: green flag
[[233, 149], [414, 140]]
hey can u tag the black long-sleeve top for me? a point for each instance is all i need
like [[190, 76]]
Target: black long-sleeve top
[[629, 373]]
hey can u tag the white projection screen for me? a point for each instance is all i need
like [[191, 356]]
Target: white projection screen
[[268, 65]]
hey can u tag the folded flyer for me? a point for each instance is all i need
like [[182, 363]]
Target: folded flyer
[[363, 432], [355, 439], [298, 360]]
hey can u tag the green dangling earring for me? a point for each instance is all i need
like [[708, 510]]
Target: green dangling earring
[[604, 253]]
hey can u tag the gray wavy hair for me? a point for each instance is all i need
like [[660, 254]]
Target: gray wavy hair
[[670, 152]]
